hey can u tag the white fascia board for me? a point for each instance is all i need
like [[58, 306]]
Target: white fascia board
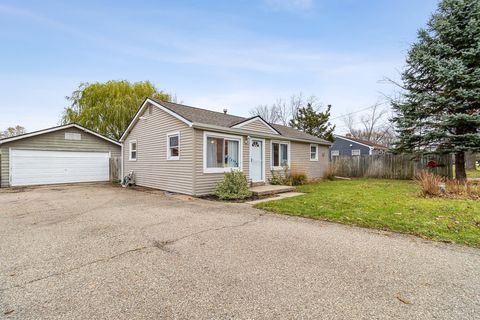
[[241, 124], [363, 144], [72, 125], [142, 108]]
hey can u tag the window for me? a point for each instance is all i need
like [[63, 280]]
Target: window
[[73, 136], [355, 152], [132, 155], [313, 152], [173, 146], [335, 153], [279, 154], [222, 153]]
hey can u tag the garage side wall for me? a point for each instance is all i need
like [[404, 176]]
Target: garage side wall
[[151, 168], [55, 141]]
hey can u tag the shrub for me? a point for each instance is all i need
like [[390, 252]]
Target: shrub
[[233, 187], [276, 178], [331, 171], [429, 183], [455, 187], [295, 179], [462, 189]]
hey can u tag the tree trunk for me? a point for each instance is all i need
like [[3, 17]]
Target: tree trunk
[[460, 173]]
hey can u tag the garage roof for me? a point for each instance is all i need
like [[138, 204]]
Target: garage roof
[[71, 125]]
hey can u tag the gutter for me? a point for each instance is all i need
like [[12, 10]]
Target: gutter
[[244, 132]]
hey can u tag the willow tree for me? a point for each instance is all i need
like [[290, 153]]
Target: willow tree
[[107, 108], [439, 111]]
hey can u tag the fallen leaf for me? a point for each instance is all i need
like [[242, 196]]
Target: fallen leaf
[[402, 299]]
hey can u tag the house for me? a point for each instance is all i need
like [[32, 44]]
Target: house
[[349, 146], [63, 154], [183, 149]]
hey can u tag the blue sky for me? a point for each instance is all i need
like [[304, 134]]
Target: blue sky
[[211, 54]]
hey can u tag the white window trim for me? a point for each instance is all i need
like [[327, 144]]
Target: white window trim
[[263, 159], [288, 154], [359, 152], [335, 155], [316, 152], [130, 150], [172, 134], [207, 134]]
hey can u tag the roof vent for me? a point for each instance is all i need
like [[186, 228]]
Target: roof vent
[[225, 111]]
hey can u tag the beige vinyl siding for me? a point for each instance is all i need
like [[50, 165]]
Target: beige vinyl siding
[[55, 141], [152, 169], [205, 182], [301, 162], [256, 126]]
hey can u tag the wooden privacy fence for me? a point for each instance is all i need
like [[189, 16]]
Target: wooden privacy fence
[[391, 166]]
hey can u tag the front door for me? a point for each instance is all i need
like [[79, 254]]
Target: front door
[[256, 160]]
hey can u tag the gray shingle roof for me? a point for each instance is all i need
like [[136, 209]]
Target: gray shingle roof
[[197, 115], [365, 142]]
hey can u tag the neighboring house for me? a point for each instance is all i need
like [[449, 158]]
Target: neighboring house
[[64, 154], [183, 149], [350, 146]]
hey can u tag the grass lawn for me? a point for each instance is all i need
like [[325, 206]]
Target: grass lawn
[[473, 173], [387, 205]]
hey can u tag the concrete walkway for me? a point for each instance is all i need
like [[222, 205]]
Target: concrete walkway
[[277, 197]]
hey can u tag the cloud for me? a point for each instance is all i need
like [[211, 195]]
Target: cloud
[[290, 5]]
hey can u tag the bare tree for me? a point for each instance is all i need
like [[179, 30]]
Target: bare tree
[[12, 131], [268, 113], [284, 111], [373, 121], [281, 111], [373, 126]]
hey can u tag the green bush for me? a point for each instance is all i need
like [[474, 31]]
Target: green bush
[[233, 187], [295, 179], [276, 178]]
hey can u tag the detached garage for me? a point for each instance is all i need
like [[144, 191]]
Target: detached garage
[[65, 154]]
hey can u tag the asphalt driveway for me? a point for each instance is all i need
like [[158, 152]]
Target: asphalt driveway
[[102, 252]]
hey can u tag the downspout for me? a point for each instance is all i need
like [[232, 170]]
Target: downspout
[[121, 161], [194, 160]]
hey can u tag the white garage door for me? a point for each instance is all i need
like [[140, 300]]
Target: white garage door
[[32, 167]]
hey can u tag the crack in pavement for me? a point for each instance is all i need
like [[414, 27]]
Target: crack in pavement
[[75, 268], [172, 241], [161, 245]]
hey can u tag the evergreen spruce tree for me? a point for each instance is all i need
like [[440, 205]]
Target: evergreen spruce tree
[[440, 107], [312, 122]]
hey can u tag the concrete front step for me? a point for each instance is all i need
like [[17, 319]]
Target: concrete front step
[[268, 190]]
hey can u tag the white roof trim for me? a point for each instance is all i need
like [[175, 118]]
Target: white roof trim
[[363, 144], [71, 125], [243, 123], [142, 108]]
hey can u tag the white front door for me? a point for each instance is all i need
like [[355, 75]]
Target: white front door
[[256, 160]]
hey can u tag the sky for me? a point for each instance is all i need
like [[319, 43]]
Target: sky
[[209, 54]]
